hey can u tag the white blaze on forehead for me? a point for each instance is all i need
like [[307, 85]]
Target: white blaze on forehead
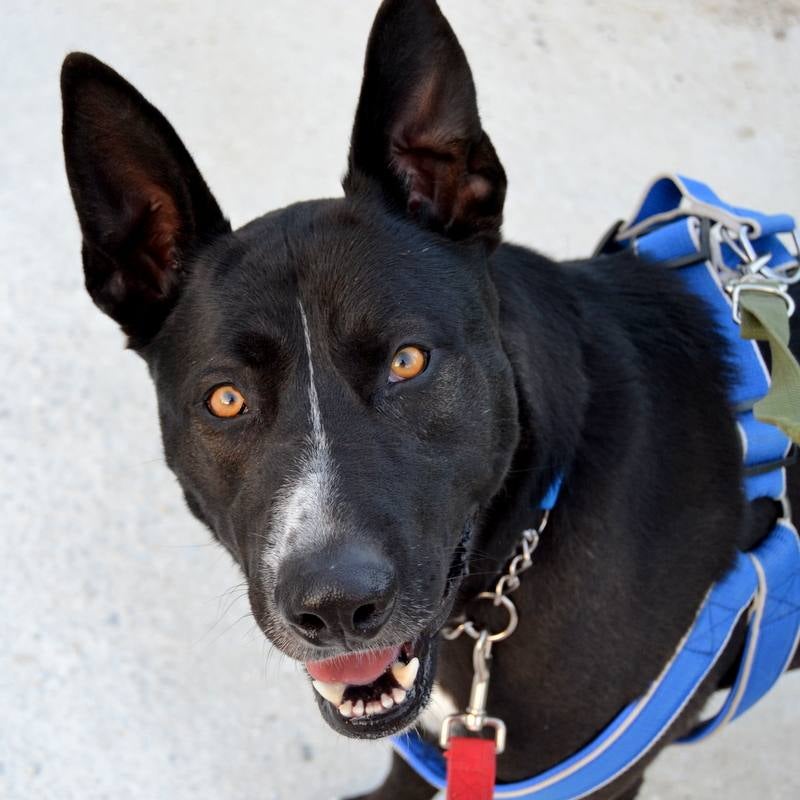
[[313, 398], [303, 515]]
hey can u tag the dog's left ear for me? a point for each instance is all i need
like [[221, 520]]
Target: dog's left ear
[[417, 133]]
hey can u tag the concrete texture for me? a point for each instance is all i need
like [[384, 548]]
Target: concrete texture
[[128, 665]]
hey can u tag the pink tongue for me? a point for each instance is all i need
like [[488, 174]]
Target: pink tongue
[[357, 669]]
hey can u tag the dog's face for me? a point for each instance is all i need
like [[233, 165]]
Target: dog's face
[[333, 393]]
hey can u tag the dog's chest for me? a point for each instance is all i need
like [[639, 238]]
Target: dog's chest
[[440, 706]]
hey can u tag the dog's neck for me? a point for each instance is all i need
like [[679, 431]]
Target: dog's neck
[[542, 339]]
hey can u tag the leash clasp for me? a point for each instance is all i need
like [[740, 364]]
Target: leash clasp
[[474, 718]]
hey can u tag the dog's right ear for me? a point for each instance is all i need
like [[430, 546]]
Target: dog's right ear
[[141, 201], [417, 135]]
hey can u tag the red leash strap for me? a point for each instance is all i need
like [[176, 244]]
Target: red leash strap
[[470, 768]]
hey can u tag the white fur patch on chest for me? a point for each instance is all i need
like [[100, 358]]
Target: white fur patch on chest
[[440, 706]]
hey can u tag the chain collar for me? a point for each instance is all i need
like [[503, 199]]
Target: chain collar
[[508, 582], [474, 718]]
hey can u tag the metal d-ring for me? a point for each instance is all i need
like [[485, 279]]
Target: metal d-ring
[[468, 626]]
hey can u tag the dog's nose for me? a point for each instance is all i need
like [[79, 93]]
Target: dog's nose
[[337, 597]]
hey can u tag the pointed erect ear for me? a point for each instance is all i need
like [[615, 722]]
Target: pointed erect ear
[[417, 131], [142, 204]]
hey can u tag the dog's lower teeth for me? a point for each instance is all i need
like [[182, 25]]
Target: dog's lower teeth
[[373, 707], [398, 695], [349, 709], [346, 709]]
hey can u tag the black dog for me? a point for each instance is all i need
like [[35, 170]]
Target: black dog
[[363, 397]]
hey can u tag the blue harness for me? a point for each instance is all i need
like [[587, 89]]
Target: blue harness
[[682, 224]]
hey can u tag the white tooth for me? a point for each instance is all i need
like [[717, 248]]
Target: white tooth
[[358, 709], [373, 707], [405, 674], [332, 692], [386, 701], [398, 695], [346, 709]]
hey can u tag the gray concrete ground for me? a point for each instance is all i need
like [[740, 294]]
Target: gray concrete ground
[[128, 665]]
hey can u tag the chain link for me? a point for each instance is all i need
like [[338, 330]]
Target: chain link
[[507, 583]]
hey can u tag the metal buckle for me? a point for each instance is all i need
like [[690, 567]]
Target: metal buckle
[[753, 273], [756, 284], [488, 722], [786, 273]]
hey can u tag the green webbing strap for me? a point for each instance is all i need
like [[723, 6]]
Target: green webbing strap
[[764, 317]]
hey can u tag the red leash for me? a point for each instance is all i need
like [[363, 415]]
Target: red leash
[[470, 768]]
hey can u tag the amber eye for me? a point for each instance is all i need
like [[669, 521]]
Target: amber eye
[[408, 362], [226, 401]]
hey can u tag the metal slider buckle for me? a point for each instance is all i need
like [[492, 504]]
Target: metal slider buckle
[[488, 722], [756, 284]]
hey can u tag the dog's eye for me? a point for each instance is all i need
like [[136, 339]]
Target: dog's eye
[[226, 401], [408, 362]]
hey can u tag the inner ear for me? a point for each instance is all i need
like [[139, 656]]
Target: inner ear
[[417, 132], [141, 248], [451, 184], [143, 206], [161, 229]]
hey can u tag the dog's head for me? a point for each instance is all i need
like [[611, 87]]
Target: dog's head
[[333, 393]]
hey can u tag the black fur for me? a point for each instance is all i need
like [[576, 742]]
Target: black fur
[[605, 371]]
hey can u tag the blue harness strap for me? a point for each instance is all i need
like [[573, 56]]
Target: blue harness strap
[[637, 728], [681, 223], [772, 629]]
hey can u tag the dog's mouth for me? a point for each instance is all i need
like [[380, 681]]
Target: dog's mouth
[[374, 693]]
